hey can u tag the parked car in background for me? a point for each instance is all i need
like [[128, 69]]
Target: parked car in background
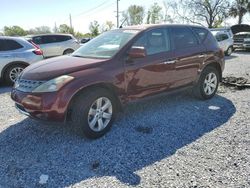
[[84, 40], [227, 30], [55, 44], [225, 41], [16, 54], [120, 66], [242, 40]]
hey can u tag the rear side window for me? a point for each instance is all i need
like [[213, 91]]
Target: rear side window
[[49, 39], [8, 44], [201, 33], [183, 38], [37, 40]]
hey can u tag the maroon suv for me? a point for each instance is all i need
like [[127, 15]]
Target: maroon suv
[[90, 86]]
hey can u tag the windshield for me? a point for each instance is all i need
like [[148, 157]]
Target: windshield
[[106, 45]]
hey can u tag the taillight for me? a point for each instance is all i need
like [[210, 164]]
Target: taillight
[[38, 51]]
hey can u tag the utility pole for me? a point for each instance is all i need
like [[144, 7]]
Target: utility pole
[[117, 13], [70, 21]]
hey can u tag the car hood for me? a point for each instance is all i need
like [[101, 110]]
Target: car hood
[[54, 67]]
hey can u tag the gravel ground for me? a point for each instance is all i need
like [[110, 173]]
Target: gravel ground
[[171, 141]]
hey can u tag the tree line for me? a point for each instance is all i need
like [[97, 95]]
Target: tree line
[[209, 13]]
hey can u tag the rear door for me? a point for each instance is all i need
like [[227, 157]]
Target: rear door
[[153, 73], [8, 51], [189, 53]]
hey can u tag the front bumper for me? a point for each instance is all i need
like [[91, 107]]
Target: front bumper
[[45, 106]]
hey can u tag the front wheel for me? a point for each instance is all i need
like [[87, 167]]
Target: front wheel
[[12, 73], [207, 84], [94, 111]]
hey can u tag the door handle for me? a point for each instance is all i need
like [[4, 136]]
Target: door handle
[[169, 62], [202, 55]]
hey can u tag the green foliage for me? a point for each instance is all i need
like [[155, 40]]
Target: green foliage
[[14, 31], [64, 28], [134, 15], [155, 14], [239, 8], [39, 30], [94, 28]]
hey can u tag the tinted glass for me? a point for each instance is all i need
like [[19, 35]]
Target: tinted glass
[[154, 41], [49, 39], [7, 45], [201, 33], [37, 40], [61, 38], [183, 38]]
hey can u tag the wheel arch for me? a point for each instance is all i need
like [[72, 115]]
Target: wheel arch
[[11, 64], [109, 87], [216, 65]]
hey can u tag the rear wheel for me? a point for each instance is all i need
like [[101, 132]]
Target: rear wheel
[[12, 73], [229, 51], [207, 84], [68, 51], [94, 111]]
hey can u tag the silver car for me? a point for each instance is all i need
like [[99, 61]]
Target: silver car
[[15, 54], [225, 41], [55, 44]]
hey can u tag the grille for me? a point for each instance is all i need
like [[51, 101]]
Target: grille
[[246, 42], [28, 85]]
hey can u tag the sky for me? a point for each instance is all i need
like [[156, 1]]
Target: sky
[[30, 13]]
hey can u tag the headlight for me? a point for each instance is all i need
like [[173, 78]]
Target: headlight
[[53, 85]]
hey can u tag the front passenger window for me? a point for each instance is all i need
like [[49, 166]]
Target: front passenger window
[[154, 41]]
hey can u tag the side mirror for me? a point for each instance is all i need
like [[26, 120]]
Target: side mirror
[[137, 52]]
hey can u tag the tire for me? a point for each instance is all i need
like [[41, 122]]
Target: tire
[[12, 73], [229, 51], [68, 51], [90, 120], [209, 79]]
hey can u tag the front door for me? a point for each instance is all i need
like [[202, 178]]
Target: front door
[[153, 73]]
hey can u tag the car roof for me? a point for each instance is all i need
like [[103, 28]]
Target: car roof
[[151, 26], [49, 34]]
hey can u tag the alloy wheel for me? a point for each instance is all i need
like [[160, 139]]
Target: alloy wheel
[[100, 114], [14, 73], [210, 83]]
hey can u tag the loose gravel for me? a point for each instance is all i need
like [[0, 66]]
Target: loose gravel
[[171, 141]]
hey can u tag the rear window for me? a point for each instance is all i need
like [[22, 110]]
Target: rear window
[[183, 37], [8, 45], [201, 33]]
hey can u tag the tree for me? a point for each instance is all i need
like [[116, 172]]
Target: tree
[[134, 15], [202, 12], [14, 31], [39, 30], [239, 8], [107, 26], [154, 14], [94, 28], [64, 28]]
